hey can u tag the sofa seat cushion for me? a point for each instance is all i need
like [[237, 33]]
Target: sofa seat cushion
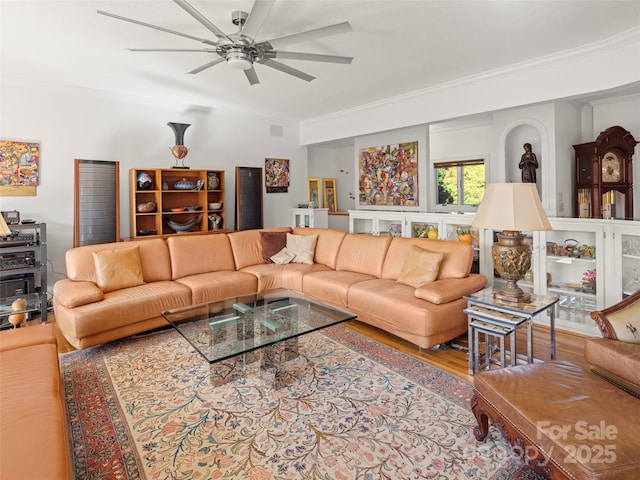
[[620, 359], [209, 287], [32, 413], [17, 338], [273, 276], [392, 303], [554, 404], [332, 286], [123, 307]]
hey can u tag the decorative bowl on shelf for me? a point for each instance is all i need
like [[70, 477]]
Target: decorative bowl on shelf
[[177, 209], [146, 207], [183, 227], [215, 206], [143, 181], [144, 233], [184, 184]]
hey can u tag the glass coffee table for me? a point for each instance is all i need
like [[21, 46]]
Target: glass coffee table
[[252, 334]]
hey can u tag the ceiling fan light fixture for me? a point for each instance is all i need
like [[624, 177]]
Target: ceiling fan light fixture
[[239, 60]]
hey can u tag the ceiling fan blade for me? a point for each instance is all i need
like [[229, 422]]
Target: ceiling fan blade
[[259, 12], [201, 18], [207, 65], [313, 57], [311, 34], [252, 76], [155, 27], [286, 69], [201, 50]]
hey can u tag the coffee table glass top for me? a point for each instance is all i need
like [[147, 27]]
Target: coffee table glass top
[[233, 326]]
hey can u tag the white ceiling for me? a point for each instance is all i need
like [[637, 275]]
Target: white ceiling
[[398, 46]]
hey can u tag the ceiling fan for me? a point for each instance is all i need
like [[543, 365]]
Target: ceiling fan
[[240, 50]]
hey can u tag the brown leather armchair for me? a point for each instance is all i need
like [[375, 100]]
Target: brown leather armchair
[[616, 356]]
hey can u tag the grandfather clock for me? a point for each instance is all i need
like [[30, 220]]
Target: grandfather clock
[[604, 175]]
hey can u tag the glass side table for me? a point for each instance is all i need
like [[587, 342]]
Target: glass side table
[[498, 319]]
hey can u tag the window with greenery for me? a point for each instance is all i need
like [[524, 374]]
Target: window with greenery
[[460, 182]]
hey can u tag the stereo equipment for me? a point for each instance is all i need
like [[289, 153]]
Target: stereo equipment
[[16, 286], [17, 260], [18, 239], [11, 217]]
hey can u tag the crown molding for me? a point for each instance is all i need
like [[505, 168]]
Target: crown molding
[[617, 41]]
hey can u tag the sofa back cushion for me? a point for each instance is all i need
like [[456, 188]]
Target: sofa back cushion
[[456, 261], [154, 258], [194, 254], [247, 246], [363, 254], [118, 268], [327, 246]]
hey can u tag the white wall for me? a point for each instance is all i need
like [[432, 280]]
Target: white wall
[[577, 72], [335, 162], [552, 128], [75, 123]]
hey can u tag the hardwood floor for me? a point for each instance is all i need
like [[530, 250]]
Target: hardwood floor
[[569, 347]]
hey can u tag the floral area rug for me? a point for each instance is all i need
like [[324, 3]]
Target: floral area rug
[[144, 408]]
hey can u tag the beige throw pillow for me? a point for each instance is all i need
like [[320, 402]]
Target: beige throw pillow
[[420, 267], [283, 257], [303, 247], [118, 268]]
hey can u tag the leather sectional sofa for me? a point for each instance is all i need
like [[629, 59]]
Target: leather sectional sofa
[[97, 303], [33, 423]]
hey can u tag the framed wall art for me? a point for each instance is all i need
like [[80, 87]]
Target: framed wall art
[[314, 199], [330, 197], [19, 165], [388, 175], [276, 175]]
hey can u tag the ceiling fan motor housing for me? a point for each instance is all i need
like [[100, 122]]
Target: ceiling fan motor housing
[[239, 59]]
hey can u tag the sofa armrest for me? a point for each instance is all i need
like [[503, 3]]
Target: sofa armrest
[[612, 321], [71, 293], [450, 289]]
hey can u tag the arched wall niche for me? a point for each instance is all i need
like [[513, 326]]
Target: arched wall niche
[[512, 141]]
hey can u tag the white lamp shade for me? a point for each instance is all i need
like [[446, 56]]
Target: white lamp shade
[[511, 206]]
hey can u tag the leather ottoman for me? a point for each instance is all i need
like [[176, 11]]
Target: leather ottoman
[[564, 421]]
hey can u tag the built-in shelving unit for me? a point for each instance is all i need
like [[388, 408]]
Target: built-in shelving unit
[[561, 258], [170, 201]]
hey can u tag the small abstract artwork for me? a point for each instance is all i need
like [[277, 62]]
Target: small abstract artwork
[[276, 172], [19, 163], [388, 175]]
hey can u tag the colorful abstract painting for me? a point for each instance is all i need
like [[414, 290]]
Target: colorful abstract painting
[[389, 175], [276, 171], [19, 163]]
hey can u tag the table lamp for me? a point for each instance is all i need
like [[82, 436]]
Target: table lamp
[[4, 229], [512, 208]]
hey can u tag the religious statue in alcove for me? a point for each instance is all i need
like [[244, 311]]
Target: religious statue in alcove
[[528, 165]]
